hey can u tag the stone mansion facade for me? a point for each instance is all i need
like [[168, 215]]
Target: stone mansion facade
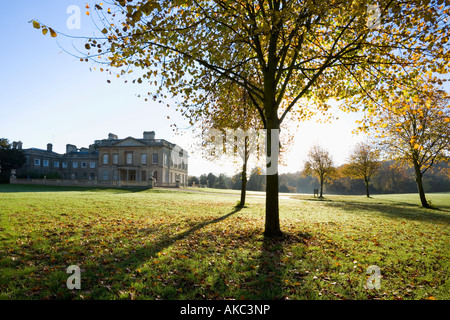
[[111, 160]]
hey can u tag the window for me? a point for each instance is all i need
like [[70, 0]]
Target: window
[[56, 164], [155, 158], [115, 158], [92, 164], [75, 164], [165, 159], [115, 175], [64, 164], [45, 163], [105, 175], [144, 158], [84, 164], [129, 157], [37, 162], [105, 158], [143, 176], [65, 175]]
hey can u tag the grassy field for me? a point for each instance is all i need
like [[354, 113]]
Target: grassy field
[[167, 244]]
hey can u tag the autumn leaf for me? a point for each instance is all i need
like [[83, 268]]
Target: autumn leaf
[[52, 33], [36, 24], [44, 31]]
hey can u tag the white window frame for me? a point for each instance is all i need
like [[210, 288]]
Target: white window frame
[[129, 157], [115, 158], [75, 164], [37, 161], [153, 158], [92, 165], [143, 158], [45, 163], [105, 158]]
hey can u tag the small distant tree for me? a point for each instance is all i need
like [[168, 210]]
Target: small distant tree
[[192, 180], [10, 158], [320, 164], [363, 163]]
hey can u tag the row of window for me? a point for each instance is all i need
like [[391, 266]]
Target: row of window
[[65, 164], [129, 158]]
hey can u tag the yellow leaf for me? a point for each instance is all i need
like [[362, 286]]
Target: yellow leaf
[[36, 24], [44, 31], [416, 146], [52, 33]]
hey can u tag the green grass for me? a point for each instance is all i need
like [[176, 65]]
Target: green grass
[[166, 244]]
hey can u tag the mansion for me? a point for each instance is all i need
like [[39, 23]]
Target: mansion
[[110, 160]]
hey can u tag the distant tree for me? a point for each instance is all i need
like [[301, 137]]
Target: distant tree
[[256, 180], [236, 181], [221, 182], [232, 119], [320, 164], [363, 163], [192, 180], [413, 125], [211, 178], [10, 158], [203, 179]]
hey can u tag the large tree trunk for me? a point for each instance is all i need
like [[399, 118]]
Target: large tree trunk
[[244, 175], [321, 187], [272, 226], [272, 126], [423, 199], [366, 182]]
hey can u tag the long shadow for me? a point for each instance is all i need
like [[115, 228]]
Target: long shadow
[[168, 242], [94, 276], [395, 211]]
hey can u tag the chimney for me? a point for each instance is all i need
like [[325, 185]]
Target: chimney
[[19, 145], [112, 136], [71, 148], [49, 147], [149, 135], [14, 145]]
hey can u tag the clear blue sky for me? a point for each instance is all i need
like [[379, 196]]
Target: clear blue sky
[[47, 95]]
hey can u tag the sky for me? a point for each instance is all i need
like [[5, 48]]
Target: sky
[[49, 96]]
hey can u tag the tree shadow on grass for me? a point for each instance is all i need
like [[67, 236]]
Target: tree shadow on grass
[[397, 210]]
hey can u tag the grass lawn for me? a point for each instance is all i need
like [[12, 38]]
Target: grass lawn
[[167, 244]]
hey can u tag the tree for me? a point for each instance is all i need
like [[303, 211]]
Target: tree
[[320, 164], [281, 52], [232, 120], [193, 180], [10, 158], [413, 127], [363, 163]]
